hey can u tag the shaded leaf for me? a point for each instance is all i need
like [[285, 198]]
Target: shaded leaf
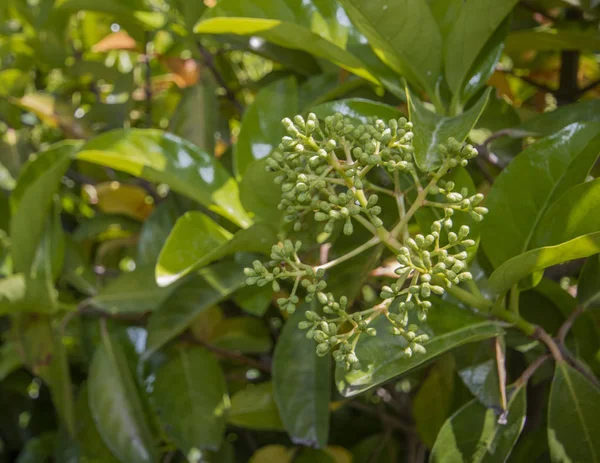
[[190, 395], [261, 129], [473, 433], [378, 448], [179, 311], [431, 405], [573, 417], [551, 40], [261, 202], [382, 357], [116, 405], [301, 385], [254, 407], [131, 292], [244, 334], [588, 287]]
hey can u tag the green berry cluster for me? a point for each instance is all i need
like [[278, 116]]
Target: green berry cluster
[[327, 169]]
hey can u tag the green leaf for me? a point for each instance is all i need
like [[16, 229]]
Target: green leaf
[[254, 300], [190, 395], [244, 334], [431, 404], [261, 202], [573, 417], [378, 448], [431, 129], [474, 26], [254, 408], [287, 35], [301, 385], [536, 178], [588, 287], [45, 354], [7, 182], [473, 433], [196, 241], [357, 109], [165, 158], [179, 311], [196, 117], [39, 448], [552, 121], [569, 216], [90, 442], [382, 357], [399, 32], [9, 359], [155, 231], [478, 370], [116, 405], [261, 129], [519, 267], [551, 40], [131, 292], [33, 198], [124, 10]]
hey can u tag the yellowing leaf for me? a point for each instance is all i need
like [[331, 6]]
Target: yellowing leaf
[[272, 453], [185, 71], [118, 198], [116, 41]]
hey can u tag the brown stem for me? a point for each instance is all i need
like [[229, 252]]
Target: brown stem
[[386, 418], [566, 326], [229, 354], [530, 370], [209, 61], [543, 336]]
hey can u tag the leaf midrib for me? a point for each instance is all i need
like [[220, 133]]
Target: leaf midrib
[[588, 439]]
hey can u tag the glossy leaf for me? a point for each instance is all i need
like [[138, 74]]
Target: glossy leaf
[[244, 334], [569, 216], [116, 405], [588, 287], [357, 109], [254, 408], [432, 402], [196, 241], [552, 121], [473, 433], [161, 157], [9, 359], [190, 395], [431, 129], [537, 177], [38, 183], [382, 357], [301, 385], [287, 35], [474, 25], [179, 311], [261, 202], [393, 29], [131, 292], [573, 417], [90, 442], [254, 300], [519, 267], [262, 129], [477, 368], [155, 231]]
